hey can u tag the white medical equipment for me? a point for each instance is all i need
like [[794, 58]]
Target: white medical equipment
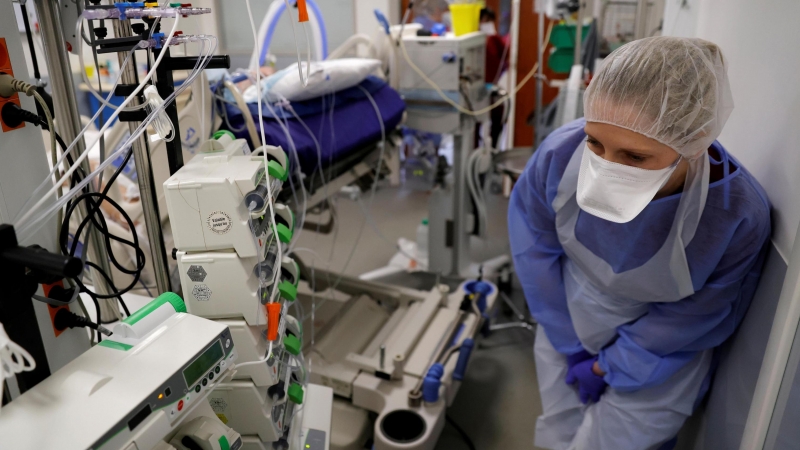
[[227, 251], [397, 352], [143, 388], [457, 66]]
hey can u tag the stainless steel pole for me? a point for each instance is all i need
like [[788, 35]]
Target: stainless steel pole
[[463, 146], [144, 175], [540, 74], [69, 125], [578, 34], [640, 26]]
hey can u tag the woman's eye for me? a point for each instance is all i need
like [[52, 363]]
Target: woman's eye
[[636, 158]]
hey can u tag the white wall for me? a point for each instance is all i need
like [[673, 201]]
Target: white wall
[[365, 14], [762, 46], [237, 37], [680, 17]]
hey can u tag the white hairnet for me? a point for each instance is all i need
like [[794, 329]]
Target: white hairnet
[[673, 90]]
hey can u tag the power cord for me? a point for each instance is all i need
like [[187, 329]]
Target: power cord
[[460, 431], [65, 318], [14, 115]]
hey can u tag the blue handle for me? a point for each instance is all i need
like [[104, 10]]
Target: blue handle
[[432, 382], [463, 358]]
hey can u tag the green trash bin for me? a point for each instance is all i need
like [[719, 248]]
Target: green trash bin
[[563, 36], [561, 60]]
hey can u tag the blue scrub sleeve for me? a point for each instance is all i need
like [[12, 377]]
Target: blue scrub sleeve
[[654, 347], [537, 254]]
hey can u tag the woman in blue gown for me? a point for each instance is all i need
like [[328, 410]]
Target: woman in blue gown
[[639, 241]]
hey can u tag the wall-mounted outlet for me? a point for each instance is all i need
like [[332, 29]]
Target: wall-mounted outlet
[[5, 67]]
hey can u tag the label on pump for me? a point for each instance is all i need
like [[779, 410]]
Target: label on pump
[[219, 222]]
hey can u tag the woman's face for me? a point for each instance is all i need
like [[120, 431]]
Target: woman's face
[[623, 146]]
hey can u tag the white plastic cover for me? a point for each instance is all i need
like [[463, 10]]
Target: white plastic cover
[[674, 90], [325, 77]]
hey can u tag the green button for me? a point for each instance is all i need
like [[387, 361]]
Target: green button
[[167, 297], [292, 344], [223, 443], [296, 393], [284, 233], [287, 290], [221, 133]]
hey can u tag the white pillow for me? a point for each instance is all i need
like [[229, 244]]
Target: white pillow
[[324, 77]]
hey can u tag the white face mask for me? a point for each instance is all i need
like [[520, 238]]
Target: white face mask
[[488, 28], [616, 192]]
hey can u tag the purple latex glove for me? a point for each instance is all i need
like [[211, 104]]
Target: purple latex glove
[[590, 385], [572, 360]]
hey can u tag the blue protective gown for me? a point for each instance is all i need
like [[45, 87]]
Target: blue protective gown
[[725, 258]]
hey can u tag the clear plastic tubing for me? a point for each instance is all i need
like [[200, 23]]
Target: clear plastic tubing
[[138, 13]]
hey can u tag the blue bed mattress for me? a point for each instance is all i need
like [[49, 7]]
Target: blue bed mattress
[[342, 123]]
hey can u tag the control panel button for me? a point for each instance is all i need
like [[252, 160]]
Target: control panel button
[[205, 381], [216, 369], [180, 405], [227, 343], [211, 375], [197, 388]]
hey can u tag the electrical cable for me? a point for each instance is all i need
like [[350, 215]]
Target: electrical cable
[[460, 431], [200, 64], [83, 155], [29, 34]]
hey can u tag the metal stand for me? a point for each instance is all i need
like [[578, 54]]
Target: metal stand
[[522, 319], [462, 148], [69, 125], [126, 39], [144, 175]]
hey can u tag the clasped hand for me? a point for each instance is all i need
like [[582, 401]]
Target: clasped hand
[[580, 370]]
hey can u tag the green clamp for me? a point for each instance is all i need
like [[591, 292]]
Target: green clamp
[[296, 393], [284, 233], [167, 297], [292, 344], [287, 290], [221, 133], [275, 170], [175, 5]]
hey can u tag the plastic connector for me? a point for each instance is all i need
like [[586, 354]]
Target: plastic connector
[[432, 382], [273, 320], [296, 393], [10, 86], [463, 359]]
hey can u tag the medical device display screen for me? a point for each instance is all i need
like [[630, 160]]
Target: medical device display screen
[[203, 364]]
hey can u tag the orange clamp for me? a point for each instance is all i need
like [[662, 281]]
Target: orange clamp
[[273, 320], [302, 11]]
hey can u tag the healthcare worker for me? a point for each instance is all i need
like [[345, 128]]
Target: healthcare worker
[[639, 242]]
